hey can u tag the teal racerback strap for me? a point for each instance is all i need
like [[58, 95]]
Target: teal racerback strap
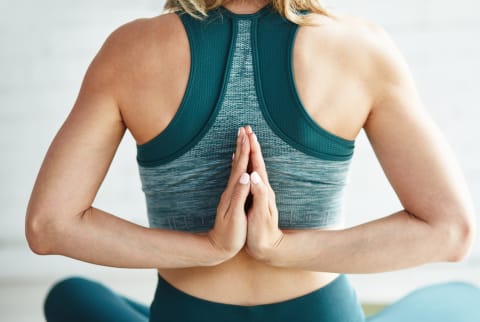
[[210, 44]]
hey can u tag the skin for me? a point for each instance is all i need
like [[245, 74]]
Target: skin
[[137, 81]]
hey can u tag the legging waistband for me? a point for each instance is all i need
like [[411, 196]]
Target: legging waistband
[[335, 302]]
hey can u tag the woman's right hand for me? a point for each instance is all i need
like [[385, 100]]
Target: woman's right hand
[[228, 236]]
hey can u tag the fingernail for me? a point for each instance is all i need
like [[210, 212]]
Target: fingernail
[[233, 156], [255, 137], [239, 130], [244, 178], [255, 178], [249, 129]]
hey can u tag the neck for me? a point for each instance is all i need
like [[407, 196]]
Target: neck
[[245, 6]]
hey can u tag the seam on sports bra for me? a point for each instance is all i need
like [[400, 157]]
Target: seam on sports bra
[[271, 123]]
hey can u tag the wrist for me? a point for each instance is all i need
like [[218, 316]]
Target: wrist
[[278, 254], [215, 252], [274, 254]]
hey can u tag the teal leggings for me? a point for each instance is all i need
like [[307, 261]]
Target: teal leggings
[[77, 299]]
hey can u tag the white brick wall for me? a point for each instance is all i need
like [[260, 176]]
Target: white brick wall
[[46, 46]]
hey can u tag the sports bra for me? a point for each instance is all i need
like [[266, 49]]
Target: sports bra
[[241, 74]]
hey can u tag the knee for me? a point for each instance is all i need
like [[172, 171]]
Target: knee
[[65, 288], [62, 293]]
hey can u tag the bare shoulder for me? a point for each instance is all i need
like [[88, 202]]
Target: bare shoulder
[[142, 34], [379, 46], [132, 51], [361, 44], [364, 53]]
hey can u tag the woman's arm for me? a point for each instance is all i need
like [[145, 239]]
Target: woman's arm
[[437, 222], [60, 217]]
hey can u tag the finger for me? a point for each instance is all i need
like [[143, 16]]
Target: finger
[[241, 156], [256, 158], [260, 194], [240, 161], [240, 136], [239, 194]]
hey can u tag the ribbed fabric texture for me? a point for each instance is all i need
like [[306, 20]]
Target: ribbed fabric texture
[[183, 194]]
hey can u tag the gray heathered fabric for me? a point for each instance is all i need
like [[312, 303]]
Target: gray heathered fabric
[[183, 194]]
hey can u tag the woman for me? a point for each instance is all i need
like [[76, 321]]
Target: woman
[[257, 235]]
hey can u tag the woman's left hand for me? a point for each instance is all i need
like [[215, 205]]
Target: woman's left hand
[[263, 234]]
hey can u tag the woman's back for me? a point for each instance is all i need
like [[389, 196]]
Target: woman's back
[[330, 65]]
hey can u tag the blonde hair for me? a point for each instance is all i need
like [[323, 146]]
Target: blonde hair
[[289, 9]]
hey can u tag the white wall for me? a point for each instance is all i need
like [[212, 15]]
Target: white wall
[[46, 46], [440, 43]]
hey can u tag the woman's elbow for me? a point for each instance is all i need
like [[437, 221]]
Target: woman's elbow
[[461, 235], [39, 232]]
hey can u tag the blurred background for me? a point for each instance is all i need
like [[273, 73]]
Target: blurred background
[[46, 47]]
